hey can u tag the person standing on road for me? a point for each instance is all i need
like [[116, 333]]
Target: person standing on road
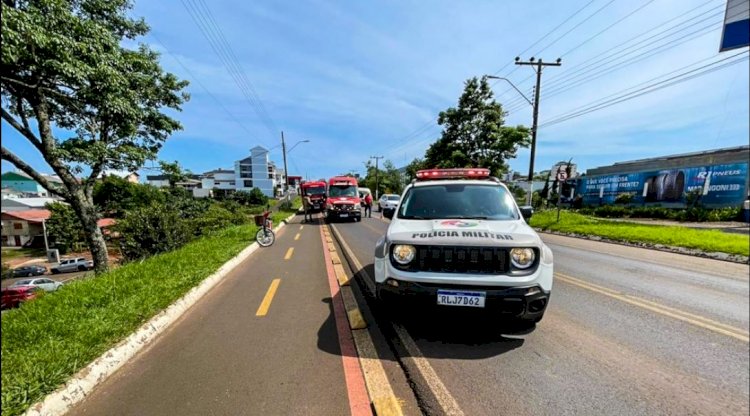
[[307, 206], [368, 206]]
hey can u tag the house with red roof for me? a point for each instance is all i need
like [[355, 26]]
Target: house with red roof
[[19, 227]]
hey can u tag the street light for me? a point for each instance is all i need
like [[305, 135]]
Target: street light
[[512, 85], [533, 133]]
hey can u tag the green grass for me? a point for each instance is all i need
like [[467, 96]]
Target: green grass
[[49, 339], [705, 240], [9, 254]]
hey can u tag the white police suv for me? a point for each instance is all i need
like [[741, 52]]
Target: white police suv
[[458, 239]]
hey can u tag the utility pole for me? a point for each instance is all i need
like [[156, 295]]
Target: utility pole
[[377, 183], [286, 175], [538, 68]]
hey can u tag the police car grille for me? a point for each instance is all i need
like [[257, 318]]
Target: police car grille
[[449, 259]]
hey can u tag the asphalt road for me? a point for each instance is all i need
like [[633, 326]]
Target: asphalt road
[[264, 341], [628, 331]]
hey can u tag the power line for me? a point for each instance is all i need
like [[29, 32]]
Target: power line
[[560, 84], [218, 43], [677, 79], [545, 36], [641, 7], [248, 83], [588, 77], [197, 80], [614, 51], [576, 26], [559, 89]]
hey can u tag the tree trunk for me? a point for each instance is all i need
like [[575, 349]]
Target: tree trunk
[[86, 212]]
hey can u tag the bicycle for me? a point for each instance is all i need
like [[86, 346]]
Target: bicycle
[[265, 236]]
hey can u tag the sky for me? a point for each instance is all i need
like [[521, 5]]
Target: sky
[[362, 79]]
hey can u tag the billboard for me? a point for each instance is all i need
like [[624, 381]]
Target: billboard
[[719, 185], [736, 30]]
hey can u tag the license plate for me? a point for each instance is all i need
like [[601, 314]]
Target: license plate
[[461, 298], [344, 215]]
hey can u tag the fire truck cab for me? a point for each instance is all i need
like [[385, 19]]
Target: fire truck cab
[[343, 199], [317, 192]]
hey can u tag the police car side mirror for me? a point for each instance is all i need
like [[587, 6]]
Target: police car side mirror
[[526, 212], [388, 213]]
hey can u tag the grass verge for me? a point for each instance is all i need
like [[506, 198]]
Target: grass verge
[[49, 339], [22, 253], [705, 240]]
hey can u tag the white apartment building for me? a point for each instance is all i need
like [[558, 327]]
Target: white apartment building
[[255, 171]]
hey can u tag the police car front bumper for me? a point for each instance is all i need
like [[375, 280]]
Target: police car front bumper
[[520, 302]]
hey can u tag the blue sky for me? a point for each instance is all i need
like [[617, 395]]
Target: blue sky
[[360, 79]]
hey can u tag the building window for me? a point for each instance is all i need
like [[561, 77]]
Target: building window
[[231, 183], [17, 226], [246, 175], [248, 184]]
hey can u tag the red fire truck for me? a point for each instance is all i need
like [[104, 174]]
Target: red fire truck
[[343, 199], [317, 192]]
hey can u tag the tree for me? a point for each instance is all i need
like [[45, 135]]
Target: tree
[[412, 168], [97, 103], [174, 172], [474, 133], [113, 196], [389, 179], [63, 228]]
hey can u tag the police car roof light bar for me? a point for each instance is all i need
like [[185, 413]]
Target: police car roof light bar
[[474, 173]]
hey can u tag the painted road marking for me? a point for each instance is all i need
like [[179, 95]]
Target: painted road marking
[[356, 389], [266, 303], [301, 227], [289, 253], [296, 237], [688, 317], [442, 395]]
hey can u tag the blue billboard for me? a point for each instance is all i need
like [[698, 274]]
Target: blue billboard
[[719, 186]]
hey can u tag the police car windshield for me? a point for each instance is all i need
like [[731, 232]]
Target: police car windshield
[[442, 201], [315, 190], [339, 190]]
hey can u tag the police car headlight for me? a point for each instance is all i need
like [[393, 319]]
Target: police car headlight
[[404, 253], [522, 258]]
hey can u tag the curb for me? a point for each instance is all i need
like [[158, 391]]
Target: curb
[[80, 385], [731, 258]]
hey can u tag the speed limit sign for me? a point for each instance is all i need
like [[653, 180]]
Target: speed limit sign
[[562, 175]]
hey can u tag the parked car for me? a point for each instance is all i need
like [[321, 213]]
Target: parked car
[[29, 271], [388, 202], [13, 297], [44, 283], [78, 264]]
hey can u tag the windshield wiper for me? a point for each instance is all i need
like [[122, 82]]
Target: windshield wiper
[[413, 217], [477, 217]]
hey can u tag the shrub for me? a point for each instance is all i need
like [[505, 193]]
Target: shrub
[[611, 211], [254, 197], [146, 231], [215, 219]]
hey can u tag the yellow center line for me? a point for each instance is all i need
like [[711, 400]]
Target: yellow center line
[[296, 237], [289, 253], [266, 303], [301, 227], [688, 317]]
